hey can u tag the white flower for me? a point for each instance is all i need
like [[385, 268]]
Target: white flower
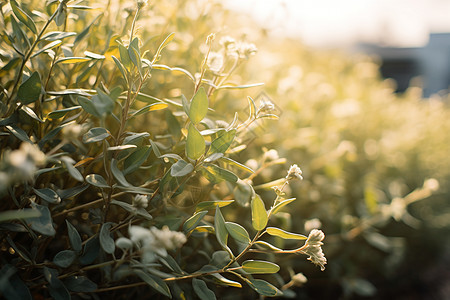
[[294, 173], [140, 201], [313, 248], [124, 243], [266, 106], [215, 62], [271, 155], [154, 241]]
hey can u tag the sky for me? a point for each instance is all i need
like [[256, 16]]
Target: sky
[[399, 23]]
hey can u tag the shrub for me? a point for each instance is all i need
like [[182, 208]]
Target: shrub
[[119, 173]]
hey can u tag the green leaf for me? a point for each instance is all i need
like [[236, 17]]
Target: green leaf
[[222, 142], [73, 172], [238, 232], [97, 180], [74, 237], [260, 267], [19, 133], [281, 204], [106, 241], [48, 195], [57, 289], [259, 213], [244, 193], [80, 284], [124, 56], [134, 53], [199, 106], [221, 230], [202, 290], [232, 162], [155, 282], [30, 90], [166, 41], [91, 251], [47, 47], [57, 114], [84, 33], [96, 134], [131, 209], [207, 205], [193, 221], [31, 113], [57, 35], [284, 234], [135, 138], [11, 286], [244, 86], [136, 159], [120, 67], [72, 60], [64, 258], [266, 245], [264, 288], [23, 16], [225, 281], [44, 223], [148, 108], [195, 143], [80, 92], [181, 168], [118, 174], [218, 174], [93, 55]]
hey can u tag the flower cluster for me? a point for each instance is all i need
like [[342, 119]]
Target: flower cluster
[[20, 164], [313, 248], [152, 242], [294, 173]]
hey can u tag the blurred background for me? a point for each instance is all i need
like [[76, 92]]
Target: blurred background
[[410, 37], [362, 92]]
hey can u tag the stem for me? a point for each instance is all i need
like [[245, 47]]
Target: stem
[[28, 55]]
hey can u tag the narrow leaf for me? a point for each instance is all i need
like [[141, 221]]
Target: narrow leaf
[[238, 232], [195, 143], [199, 106], [207, 205], [106, 241], [181, 168], [97, 180], [193, 221], [23, 16], [202, 290], [284, 234], [72, 60], [221, 230], [259, 213], [260, 267], [48, 195], [281, 204], [118, 174], [264, 288], [74, 237], [64, 258], [223, 141], [30, 90], [155, 282]]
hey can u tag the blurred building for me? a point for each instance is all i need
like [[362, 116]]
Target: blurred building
[[431, 63]]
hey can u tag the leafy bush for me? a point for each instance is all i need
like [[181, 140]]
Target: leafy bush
[[151, 157], [112, 178]]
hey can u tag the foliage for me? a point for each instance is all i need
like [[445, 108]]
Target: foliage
[[136, 160], [117, 173]]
